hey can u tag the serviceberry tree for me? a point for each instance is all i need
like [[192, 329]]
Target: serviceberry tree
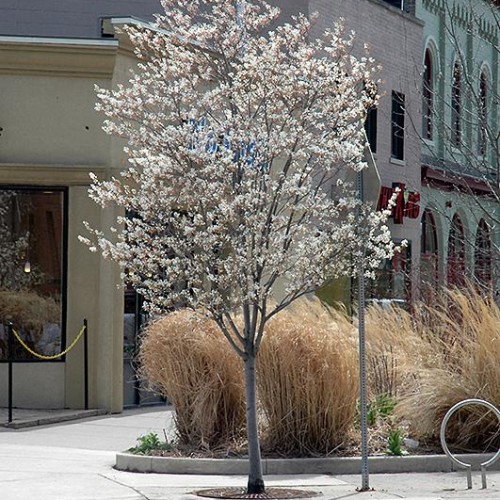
[[240, 144]]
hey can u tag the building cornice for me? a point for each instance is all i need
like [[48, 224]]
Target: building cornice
[[22, 174], [465, 17], [79, 58]]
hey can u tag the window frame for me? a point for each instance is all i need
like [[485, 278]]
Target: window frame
[[456, 105], [428, 96], [483, 113], [398, 126], [64, 262]]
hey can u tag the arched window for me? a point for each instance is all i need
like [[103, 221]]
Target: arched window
[[456, 105], [483, 113], [482, 254], [428, 252], [456, 253], [428, 96]]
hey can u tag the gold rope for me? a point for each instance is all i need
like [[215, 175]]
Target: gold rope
[[55, 356]]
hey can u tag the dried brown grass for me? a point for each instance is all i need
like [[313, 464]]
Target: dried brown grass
[[28, 309], [463, 330], [308, 380], [187, 358], [308, 373], [396, 348]]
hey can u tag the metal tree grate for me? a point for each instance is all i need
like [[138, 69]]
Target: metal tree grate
[[270, 493]]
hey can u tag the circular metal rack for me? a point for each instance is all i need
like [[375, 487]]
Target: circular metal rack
[[468, 467]]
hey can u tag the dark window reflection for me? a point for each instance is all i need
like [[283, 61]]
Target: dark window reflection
[[31, 269]]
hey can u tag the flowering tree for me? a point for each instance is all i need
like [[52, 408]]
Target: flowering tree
[[239, 147]]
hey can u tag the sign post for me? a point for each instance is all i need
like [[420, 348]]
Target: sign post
[[368, 186]]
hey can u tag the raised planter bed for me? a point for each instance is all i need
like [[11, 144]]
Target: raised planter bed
[[278, 466]]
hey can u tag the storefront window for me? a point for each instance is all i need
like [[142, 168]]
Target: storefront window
[[393, 280], [32, 269]]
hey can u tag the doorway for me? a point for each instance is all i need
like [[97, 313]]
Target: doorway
[[135, 390]]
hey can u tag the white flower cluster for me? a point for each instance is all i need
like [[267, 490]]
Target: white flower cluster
[[239, 141]]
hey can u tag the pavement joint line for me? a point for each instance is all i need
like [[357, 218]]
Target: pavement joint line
[[115, 481]]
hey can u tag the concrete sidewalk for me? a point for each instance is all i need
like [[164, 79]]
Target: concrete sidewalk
[[75, 461]]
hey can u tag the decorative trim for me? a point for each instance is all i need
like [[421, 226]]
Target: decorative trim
[[433, 6], [57, 57], [49, 175], [464, 16]]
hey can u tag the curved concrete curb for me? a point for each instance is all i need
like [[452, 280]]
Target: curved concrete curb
[[278, 466]]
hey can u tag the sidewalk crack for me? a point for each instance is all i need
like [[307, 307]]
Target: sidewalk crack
[[142, 495]]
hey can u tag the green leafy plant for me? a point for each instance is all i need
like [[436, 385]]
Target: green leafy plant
[[385, 405], [149, 443], [371, 414], [395, 443]]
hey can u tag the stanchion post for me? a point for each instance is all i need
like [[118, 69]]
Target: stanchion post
[[86, 362], [10, 345]]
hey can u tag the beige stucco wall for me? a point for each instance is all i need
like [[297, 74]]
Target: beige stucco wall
[[52, 137], [34, 385]]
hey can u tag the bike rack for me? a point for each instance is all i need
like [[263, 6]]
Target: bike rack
[[442, 437]]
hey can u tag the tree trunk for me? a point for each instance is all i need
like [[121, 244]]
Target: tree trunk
[[255, 478]]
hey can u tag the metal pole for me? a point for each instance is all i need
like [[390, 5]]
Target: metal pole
[[137, 327], [86, 363], [362, 380], [365, 482], [10, 348]]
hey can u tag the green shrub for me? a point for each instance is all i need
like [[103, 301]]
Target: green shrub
[[382, 406]]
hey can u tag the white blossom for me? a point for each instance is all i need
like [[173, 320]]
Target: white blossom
[[239, 144]]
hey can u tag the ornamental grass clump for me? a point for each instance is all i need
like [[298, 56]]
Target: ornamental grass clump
[[462, 328], [308, 380], [395, 350], [186, 357]]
